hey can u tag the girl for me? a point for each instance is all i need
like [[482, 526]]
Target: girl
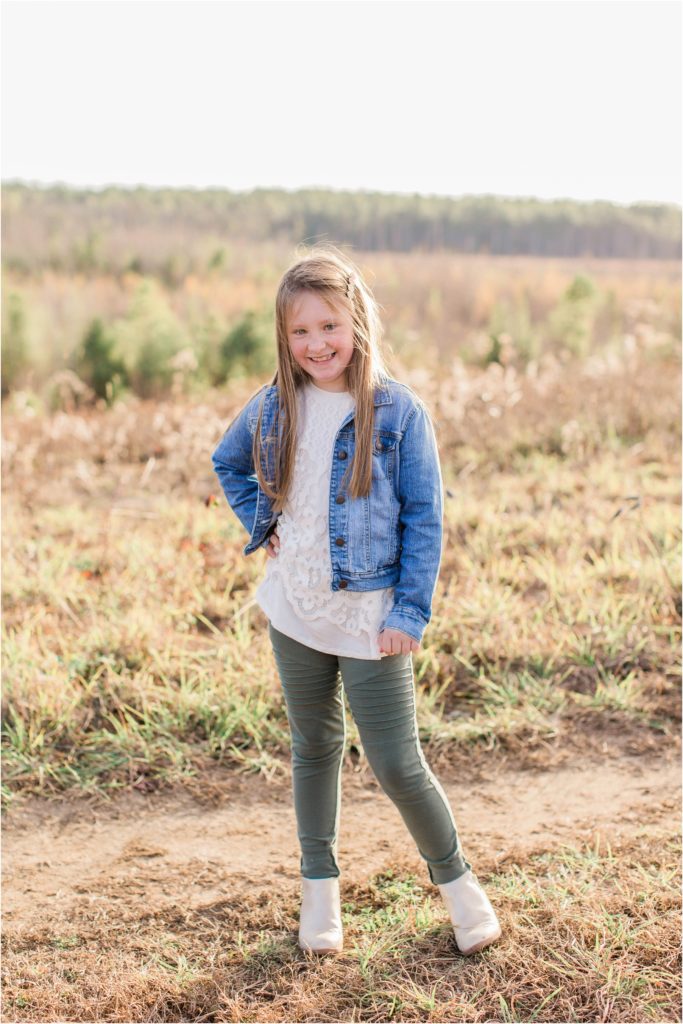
[[333, 469]]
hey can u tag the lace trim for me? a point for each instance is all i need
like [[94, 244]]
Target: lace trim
[[303, 563]]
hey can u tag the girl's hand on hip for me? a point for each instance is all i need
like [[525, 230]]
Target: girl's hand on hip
[[273, 544], [393, 641]]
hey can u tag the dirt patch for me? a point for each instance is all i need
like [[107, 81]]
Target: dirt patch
[[169, 907], [173, 849]]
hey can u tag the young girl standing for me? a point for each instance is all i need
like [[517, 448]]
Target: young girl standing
[[333, 469]]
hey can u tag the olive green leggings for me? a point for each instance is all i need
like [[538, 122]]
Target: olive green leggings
[[381, 696]]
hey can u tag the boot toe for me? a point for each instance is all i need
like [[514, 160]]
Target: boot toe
[[328, 942], [472, 940]]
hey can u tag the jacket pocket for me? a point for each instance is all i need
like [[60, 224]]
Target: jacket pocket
[[384, 441]]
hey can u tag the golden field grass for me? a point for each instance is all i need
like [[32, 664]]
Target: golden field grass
[[135, 662], [432, 304], [590, 935], [132, 654]]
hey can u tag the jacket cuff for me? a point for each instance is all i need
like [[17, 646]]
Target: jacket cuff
[[266, 540], [399, 618]]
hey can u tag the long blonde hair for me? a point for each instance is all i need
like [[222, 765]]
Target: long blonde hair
[[329, 273]]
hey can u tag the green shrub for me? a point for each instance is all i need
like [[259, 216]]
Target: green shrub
[[97, 363], [511, 333], [572, 321], [249, 348], [148, 338], [15, 358]]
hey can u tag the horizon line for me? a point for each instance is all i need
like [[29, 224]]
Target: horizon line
[[38, 183]]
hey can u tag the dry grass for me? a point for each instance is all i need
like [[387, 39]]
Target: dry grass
[[591, 933], [134, 658], [128, 601], [432, 304]]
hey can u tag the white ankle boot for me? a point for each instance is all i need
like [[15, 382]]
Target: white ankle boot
[[473, 918], [320, 926]]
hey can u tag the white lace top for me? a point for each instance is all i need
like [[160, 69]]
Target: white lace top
[[296, 592]]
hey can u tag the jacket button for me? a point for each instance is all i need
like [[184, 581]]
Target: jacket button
[[343, 584], [342, 455], [340, 499], [339, 542]]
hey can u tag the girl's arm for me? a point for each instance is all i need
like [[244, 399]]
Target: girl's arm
[[421, 522], [233, 464]]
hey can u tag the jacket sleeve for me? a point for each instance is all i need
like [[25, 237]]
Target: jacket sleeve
[[234, 467], [421, 526]]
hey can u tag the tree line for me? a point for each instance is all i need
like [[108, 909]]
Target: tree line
[[149, 229]]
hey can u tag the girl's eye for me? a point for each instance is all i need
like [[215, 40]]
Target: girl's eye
[[302, 330]]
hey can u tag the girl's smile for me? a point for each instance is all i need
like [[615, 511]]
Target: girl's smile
[[321, 340]]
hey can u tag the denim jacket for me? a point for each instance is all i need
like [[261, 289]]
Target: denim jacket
[[392, 537]]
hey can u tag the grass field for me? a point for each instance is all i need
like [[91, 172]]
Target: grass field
[[137, 667], [134, 656]]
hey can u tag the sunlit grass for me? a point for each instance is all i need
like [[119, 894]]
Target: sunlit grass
[[591, 930], [134, 654]]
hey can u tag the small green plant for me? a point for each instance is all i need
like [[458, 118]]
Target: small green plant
[[148, 338], [98, 364], [15, 359], [248, 348], [572, 321], [511, 333]]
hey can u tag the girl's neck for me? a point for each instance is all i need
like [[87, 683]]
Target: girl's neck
[[327, 391]]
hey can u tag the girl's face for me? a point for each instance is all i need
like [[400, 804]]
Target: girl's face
[[321, 340]]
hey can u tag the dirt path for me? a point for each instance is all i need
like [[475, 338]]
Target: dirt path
[[172, 849]]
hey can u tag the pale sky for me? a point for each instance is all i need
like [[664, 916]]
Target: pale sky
[[553, 99]]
